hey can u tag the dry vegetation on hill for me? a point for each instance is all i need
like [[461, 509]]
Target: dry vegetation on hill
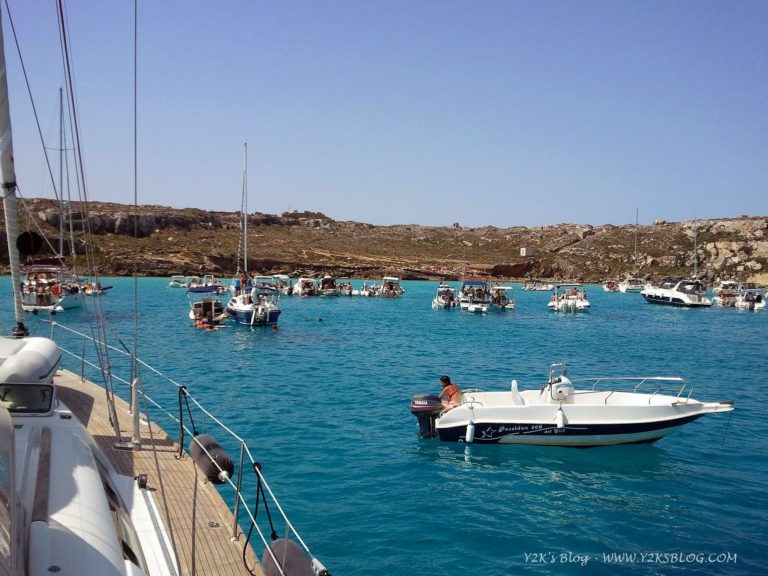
[[161, 241]]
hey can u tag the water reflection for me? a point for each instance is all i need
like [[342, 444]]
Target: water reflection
[[539, 466]]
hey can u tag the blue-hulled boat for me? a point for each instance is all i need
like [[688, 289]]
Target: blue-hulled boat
[[252, 304]]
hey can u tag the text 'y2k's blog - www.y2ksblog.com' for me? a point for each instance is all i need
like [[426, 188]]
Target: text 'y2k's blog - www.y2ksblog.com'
[[660, 558]]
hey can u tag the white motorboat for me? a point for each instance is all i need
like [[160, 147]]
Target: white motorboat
[[538, 286], [501, 298], [569, 298], [49, 287], [179, 281], [305, 287], [207, 312], [565, 412], [685, 293], [726, 293], [283, 283], [209, 283], [390, 287], [367, 289], [475, 296], [750, 299], [328, 286], [445, 297], [631, 284], [610, 286]]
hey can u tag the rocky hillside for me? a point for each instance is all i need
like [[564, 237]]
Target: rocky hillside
[[161, 241]]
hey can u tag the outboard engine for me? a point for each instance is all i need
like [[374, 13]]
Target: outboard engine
[[559, 390], [426, 408]]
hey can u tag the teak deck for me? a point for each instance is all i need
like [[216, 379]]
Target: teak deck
[[199, 519]]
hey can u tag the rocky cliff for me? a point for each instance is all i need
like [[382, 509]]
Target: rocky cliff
[[161, 241]]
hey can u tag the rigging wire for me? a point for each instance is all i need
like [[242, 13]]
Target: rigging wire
[[135, 182], [31, 99], [97, 322]]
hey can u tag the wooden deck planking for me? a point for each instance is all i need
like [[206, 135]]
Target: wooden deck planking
[[199, 533]]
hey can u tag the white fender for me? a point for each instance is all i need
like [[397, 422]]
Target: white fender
[[560, 419], [469, 435]]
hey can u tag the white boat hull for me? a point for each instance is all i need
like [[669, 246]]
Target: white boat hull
[[571, 424], [746, 305], [569, 305], [675, 297]]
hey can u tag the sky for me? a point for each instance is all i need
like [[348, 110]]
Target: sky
[[484, 112]]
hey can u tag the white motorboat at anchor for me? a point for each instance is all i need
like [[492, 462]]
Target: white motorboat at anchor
[[207, 312], [538, 285], [475, 296], [685, 293], [390, 287], [725, 293], [328, 286], [750, 299], [445, 297], [565, 412], [569, 298], [631, 284], [306, 287], [501, 298]]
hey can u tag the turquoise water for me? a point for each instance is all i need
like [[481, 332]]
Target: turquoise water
[[324, 404]]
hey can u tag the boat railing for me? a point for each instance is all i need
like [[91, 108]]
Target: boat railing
[[243, 493], [651, 385], [467, 398]]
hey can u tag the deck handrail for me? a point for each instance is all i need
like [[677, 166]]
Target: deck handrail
[[676, 385], [239, 498]]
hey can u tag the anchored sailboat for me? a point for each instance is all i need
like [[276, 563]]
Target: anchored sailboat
[[633, 283], [47, 284], [251, 304]]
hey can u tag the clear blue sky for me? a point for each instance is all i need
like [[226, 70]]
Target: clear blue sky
[[485, 112]]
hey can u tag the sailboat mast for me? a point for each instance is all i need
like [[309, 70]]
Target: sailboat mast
[[634, 268], [8, 175], [695, 252], [61, 174], [245, 207]]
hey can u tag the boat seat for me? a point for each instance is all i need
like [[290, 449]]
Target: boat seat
[[517, 399]]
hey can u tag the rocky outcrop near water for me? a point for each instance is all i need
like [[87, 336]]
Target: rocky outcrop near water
[[161, 241]]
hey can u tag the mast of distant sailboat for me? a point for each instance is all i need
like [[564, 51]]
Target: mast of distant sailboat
[[634, 267], [245, 207]]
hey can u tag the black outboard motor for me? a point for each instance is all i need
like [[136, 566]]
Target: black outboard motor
[[426, 408]]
